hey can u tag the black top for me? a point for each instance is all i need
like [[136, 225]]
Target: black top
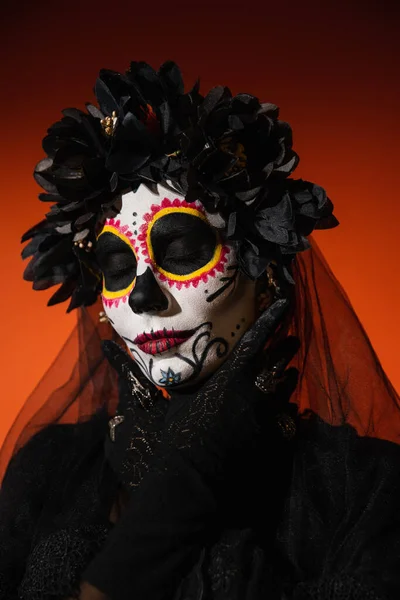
[[315, 516], [328, 530]]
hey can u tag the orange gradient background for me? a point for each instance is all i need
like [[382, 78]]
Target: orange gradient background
[[332, 68]]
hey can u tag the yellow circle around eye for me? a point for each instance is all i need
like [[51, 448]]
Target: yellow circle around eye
[[207, 267], [117, 294]]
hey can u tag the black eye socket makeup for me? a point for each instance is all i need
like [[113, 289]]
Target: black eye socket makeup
[[116, 260], [182, 243]]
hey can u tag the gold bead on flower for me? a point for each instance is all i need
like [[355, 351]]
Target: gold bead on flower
[[109, 123], [103, 317], [86, 245]]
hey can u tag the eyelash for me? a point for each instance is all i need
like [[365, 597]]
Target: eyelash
[[173, 244], [119, 270], [107, 262], [186, 256]]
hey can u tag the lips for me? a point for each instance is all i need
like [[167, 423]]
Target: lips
[[160, 341]]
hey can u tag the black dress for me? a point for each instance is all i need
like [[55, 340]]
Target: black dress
[[314, 516]]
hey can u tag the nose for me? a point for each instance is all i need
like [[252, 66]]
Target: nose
[[147, 296]]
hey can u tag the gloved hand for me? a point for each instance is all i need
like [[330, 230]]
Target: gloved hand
[[276, 414], [207, 425], [225, 401], [169, 515]]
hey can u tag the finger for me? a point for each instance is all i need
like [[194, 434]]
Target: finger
[[122, 361], [275, 370], [276, 401], [116, 356], [256, 336], [278, 357], [287, 384], [130, 376]]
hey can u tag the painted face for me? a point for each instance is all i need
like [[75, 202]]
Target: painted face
[[171, 287]]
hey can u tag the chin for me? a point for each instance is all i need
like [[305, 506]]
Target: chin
[[183, 365], [170, 372], [175, 373]]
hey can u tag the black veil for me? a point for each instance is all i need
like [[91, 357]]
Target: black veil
[[340, 376]]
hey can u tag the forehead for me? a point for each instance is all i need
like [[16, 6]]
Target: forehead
[[144, 205]]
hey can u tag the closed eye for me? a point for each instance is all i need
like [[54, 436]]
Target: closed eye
[[116, 260], [182, 243]]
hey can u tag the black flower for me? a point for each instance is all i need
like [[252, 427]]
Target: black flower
[[231, 152]]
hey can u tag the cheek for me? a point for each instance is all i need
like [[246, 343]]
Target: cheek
[[221, 298], [220, 285], [119, 317]]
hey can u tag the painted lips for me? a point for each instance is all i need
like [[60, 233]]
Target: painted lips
[[156, 342]]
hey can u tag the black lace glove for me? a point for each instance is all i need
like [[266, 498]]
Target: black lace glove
[[222, 416], [170, 515], [137, 426]]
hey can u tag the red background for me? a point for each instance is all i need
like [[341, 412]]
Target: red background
[[332, 68]]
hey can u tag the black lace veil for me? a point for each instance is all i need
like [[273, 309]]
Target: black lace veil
[[340, 376]]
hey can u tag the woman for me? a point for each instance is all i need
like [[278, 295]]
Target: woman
[[235, 436]]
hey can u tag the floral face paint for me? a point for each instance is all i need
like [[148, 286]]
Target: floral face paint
[[171, 286]]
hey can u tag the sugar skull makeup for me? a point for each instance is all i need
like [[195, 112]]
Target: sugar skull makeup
[[171, 286]]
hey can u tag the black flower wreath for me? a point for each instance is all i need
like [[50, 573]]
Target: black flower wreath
[[230, 152]]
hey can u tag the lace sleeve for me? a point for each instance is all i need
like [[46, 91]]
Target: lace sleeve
[[21, 499], [159, 536]]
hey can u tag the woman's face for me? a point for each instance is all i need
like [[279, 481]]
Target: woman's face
[[171, 287]]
